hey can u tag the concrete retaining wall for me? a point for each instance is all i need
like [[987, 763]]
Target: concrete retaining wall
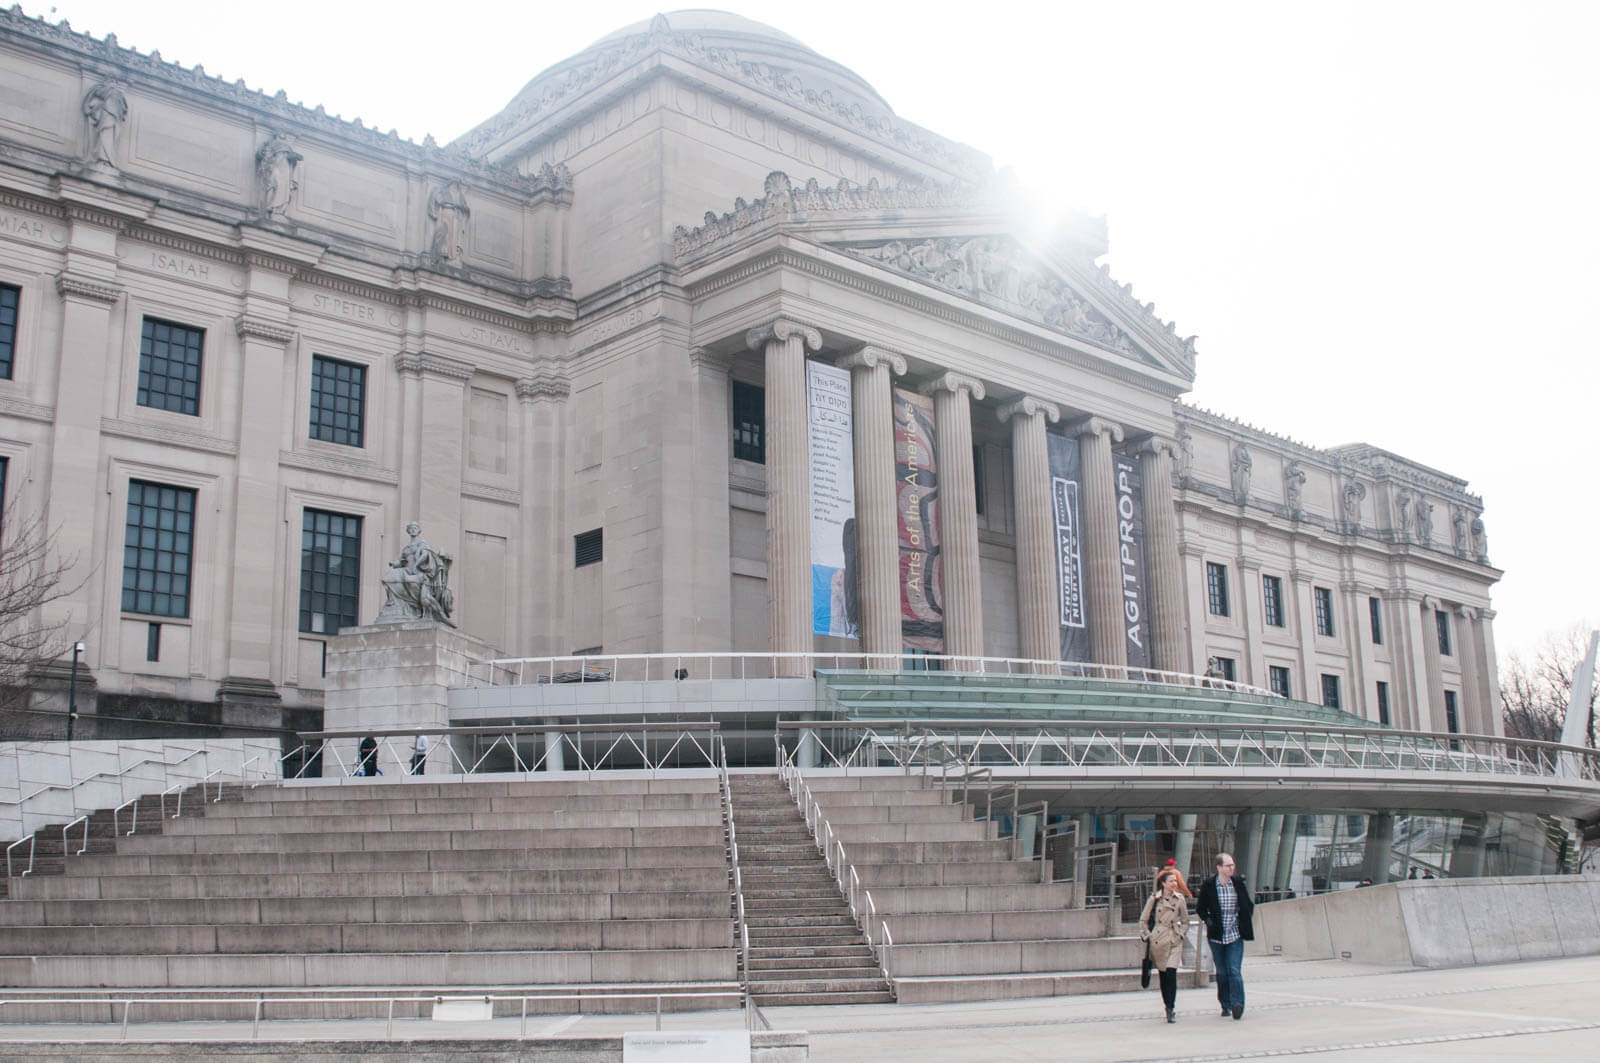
[[1439, 923], [85, 770]]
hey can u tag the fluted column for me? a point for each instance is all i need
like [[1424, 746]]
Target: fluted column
[[1038, 591], [1435, 720], [877, 529], [788, 486], [1470, 709], [958, 512], [1161, 558], [1107, 639], [1489, 671]]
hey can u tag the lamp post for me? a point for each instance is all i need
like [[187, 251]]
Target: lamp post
[[72, 690]]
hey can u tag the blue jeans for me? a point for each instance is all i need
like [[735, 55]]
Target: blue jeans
[[1229, 960]]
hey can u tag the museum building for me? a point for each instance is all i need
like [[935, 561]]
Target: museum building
[[694, 347]]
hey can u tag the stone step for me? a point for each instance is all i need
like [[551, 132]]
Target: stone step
[[812, 963], [815, 920], [819, 1000], [958, 988], [386, 787], [829, 953], [397, 860], [399, 805], [372, 841], [412, 822], [836, 979]]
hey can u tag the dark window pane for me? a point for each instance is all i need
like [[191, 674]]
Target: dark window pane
[[156, 581], [749, 422], [330, 544], [169, 366], [338, 397], [9, 295]]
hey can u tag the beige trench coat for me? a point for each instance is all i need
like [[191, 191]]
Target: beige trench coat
[[1172, 922]]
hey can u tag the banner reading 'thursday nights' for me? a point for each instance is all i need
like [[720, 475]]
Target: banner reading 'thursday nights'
[[1130, 551], [917, 503], [835, 594], [1064, 504]]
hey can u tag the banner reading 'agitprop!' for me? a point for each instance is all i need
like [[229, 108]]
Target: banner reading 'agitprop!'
[[917, 502]]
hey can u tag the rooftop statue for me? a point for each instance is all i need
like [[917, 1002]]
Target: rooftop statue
[[417, 585]]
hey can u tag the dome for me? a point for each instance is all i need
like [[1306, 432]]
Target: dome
[[751, 41]]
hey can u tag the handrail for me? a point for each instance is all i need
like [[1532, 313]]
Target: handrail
[[179, 787], [116, 818], [127, 1003], [65, 849], [737, 880], [29, 869]]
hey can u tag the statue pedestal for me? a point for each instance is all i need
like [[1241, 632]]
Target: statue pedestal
[[391, 677]]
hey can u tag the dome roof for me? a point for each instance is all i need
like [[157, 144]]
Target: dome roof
[[750, 41]]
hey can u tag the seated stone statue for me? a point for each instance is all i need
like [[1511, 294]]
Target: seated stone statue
[[417, 585]]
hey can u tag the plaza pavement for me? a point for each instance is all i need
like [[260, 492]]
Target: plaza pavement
[[1333, 1010]]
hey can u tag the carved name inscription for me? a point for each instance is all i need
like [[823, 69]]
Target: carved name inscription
[[333, 304], [179, 266], [500, 341], [22, 227]]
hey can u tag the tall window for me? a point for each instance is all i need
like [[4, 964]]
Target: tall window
[[338, 400], [169, 366], [1227, 668], [5, 469], [1441, 620], [1451, 721], [1375, 607], [1272, 601], [749, 422], [1383, 703], [1324, 604], [157, 548], [977, 478], [1278, 677], [1217, 588], [9, 294], [1330, 691], [330, 571]]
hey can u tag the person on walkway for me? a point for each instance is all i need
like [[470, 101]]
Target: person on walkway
[[369, 756], [1172, 866], [1225, 905], [1163, 923], [419, 753]]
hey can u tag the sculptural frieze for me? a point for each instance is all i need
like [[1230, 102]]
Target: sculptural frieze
[[1480, 541], [105, 108], [417, 584], [1402, 515], [1461, 530], [1294, 482], [1424, 514], [277, 175], [1184, 453], [1351, 498], [448, 211]]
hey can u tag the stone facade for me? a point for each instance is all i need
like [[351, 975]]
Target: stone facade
[[548, 318]]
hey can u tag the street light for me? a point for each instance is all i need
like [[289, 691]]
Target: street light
[[72, 690]]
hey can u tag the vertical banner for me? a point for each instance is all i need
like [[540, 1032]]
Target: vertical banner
[[1064, 481], [835, 583], [917, 503], [1130, 551]]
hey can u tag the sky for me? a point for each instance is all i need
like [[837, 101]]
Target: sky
[[1381, 219]]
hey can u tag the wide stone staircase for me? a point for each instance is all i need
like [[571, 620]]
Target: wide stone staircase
[[968, 922], [373, 887], [805, 948]]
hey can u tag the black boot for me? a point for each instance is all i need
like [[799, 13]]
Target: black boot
[[1171, 1015]]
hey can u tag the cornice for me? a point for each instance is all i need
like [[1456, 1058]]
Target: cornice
[[954, 382], [33, 204], [259, 329], [545, 384], [704, 360], [215, 252], [177, 437], [870, 356], [421, 363], [749, 484], [924, 300], [1028, 406], [487, 493], [69, 284], [11, 406], [356, 468], [782, 330]]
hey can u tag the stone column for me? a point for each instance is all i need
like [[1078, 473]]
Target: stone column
[[1107, 639], [958, 512], [877, 526], [1489, 672], [1286, 844], [1466, 856], [1360, 632], [1162, 561], [1267, 862], [1193, 557], [788, 487], [1038, 588], [1247, 848], [1183, 847], [1378, 854], [1470, 706], [1251, 608], [555, 748], [709, 545], [1305, 623], [1435, 720], [438, 386], [544, 401]]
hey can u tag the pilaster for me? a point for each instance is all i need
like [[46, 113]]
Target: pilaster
[[1166, 606], [543, 401], [877, 530], [1038, 590]]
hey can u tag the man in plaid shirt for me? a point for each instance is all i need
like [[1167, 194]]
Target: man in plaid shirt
[[1226, 907]]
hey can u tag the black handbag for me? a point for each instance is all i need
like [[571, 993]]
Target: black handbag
[[1147, 965]]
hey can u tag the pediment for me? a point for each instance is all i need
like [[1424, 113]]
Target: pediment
[[956, 238]]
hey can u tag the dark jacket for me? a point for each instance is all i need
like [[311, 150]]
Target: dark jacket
[[1209, 908]]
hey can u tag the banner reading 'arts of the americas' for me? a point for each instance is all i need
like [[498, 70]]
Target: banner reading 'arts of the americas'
[[1065, 507], [835, 584], [917, 502]]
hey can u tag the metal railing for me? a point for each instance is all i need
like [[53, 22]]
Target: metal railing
[[258, 1004], [648, 667], [927, 745], [736, 883], [863, 909], [476, 750]]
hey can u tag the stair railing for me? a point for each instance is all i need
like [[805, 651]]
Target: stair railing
[[750, 1012], [863, 909]]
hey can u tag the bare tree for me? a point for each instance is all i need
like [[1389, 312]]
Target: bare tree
[[32, 576], [1534, 694]]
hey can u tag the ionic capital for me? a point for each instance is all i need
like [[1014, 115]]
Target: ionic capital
[[258, 329], [1157, 447], [702, 360], [1466, 612], [544, 384], [1028, 406], [953, 382], [70, 284], [870, 357], [782, 330], [1095, 426]]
